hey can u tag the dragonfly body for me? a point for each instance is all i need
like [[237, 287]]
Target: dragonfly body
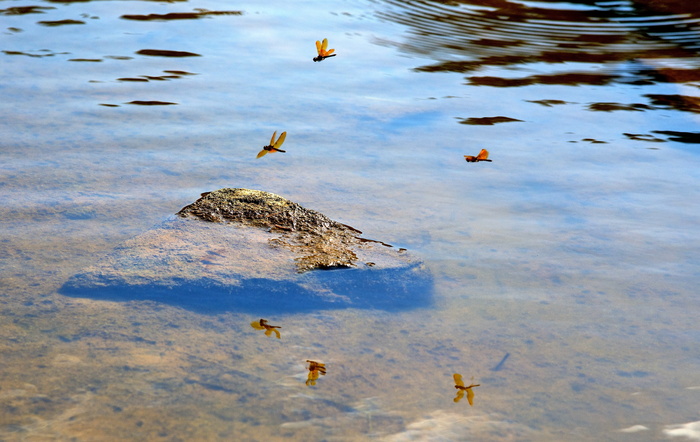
[[482, 156], [317, 366]]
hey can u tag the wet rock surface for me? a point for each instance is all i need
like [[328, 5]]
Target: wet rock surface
[[240, 249], [320, 242]]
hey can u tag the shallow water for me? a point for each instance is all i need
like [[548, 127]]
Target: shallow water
[[566, 270]]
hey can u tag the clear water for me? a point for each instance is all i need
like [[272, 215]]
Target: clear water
[[566, 270]]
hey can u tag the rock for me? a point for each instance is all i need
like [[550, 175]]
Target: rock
[[240, 249]]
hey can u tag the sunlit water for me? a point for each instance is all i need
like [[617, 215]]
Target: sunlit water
[[566, 270]]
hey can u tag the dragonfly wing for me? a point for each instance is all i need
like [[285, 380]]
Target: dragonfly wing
[[458, 380], [484, 154], [256, 325], [280, 140], [329, 52], [460, 395], [319, 49], [272, 140], [276, 333], [470, 396], [324, 45], [261, 154]]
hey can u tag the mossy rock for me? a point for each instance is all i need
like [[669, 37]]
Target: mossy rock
[[240, 249]]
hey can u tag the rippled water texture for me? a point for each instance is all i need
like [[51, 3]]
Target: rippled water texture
[[565, 270]]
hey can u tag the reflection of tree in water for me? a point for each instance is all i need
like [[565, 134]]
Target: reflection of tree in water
[[486, 33]]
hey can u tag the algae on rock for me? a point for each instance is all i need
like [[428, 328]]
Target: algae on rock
[[320, 242]]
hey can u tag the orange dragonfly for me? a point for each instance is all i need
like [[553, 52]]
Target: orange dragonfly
[[274, 146], [461, 389], [269, 329], [315, 369], [483, 156], [322, 52]]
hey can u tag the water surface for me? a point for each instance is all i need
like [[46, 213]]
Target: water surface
[[566, 270]]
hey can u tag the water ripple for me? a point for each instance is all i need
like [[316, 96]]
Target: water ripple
[[468, 35]]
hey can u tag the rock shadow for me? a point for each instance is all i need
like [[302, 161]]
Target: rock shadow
[[384, 289]]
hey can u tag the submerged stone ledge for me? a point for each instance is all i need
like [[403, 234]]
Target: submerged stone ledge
[[236, 249]]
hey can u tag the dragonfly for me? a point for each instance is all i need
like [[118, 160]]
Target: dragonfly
[[274, 146], [483, 156], [461, 389], [315, 369], [322, 52], [269, 329]]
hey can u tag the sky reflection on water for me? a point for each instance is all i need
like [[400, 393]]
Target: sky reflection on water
[[574, 252]]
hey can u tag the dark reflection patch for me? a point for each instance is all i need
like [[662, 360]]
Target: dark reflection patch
[[146, 78], [61, 22], [609, 107], [569, 79], [666, 75], [644, 137], [151, 103], [548, 103], [43, 53], [26, 53], [199, 13], [21, 10], [89, 60], [684, 103], [500, 82], [179, 72], [166, 53], [119, 57], [680, 137], [487, 121]]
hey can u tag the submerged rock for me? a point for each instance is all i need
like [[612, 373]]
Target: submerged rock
[[240, 249]]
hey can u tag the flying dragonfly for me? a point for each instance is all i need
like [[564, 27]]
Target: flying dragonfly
[[269, 329], [315, 369], [322, 52], [459, 385], [483, 156], [274, 146]]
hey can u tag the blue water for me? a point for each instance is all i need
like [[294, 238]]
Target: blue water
[[575, 252]]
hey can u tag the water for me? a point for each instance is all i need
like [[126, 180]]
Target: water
[[565, 270]]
